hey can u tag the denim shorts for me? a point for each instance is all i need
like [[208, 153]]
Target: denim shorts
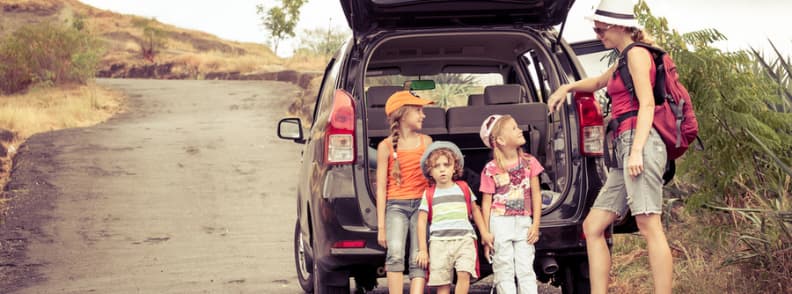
[[644, 193], [401, 218]]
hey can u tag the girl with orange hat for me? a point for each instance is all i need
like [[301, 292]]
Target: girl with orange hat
[[400, 185]]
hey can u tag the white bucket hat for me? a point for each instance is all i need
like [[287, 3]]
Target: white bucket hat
[[616, 12]]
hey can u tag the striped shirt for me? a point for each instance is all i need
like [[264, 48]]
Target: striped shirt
[[449, 214]]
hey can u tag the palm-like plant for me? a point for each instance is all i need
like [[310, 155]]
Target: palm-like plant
[[742, 104]]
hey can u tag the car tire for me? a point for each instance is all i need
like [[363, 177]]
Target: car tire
[[575, 278], [302, 261], [321, 287]]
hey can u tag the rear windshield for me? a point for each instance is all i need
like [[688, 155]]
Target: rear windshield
[[451, 89]]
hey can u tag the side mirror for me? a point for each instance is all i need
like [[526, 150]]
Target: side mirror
[[291, 129], [419, 85]]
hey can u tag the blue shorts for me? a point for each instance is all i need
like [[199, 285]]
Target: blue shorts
[[401, 218]]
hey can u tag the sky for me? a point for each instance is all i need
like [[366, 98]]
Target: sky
[[745, 23]]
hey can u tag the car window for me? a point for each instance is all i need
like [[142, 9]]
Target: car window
[[538, 75], [451, 89], [325, 96]]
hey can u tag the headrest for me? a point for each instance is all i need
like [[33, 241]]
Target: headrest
[[476, 100], [502, 94], [376, 96]]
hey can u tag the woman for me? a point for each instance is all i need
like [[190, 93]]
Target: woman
[[641, 154]]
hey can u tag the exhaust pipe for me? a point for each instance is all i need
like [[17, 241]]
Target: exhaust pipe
[[549, 265]]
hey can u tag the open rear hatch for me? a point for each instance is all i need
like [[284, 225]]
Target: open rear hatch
[[367, 16]]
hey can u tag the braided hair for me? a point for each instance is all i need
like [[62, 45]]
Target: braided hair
[[395, 132]]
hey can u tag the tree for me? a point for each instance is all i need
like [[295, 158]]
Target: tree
[[746, 127], [280, 21], [154, 38], [322, 42]]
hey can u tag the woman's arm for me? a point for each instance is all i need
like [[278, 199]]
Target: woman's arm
[[639, 63], [383, 152], [585, 85]]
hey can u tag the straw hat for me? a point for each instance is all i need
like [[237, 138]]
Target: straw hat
[[616, 12]]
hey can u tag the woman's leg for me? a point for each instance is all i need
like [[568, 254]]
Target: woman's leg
[[396, 225], [599, 257], [659, 253]]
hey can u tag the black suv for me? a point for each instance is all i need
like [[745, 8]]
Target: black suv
[[484, 57]]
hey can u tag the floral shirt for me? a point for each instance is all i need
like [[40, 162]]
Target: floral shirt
[[511, 190]]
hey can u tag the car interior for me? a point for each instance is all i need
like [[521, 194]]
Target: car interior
[[521, 92]]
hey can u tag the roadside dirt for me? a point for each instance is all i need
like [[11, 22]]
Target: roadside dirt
[[189, 191]]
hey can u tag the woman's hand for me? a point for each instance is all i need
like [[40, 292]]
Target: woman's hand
[[533, 234], [381, 237], [488, 253], [423, 259], [635, 163], [557, 98]]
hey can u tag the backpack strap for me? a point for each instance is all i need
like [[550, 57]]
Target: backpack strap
[[429, 195], [624, 71], [466, 191]]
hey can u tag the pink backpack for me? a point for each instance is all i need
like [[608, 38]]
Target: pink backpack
[[674, 118]]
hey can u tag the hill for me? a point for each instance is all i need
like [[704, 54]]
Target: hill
[[187, 53]]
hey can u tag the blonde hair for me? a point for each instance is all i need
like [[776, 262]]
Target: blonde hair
[[639, 35], [497, 152], [395, 132], [432, 159]]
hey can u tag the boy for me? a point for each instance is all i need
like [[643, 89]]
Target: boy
[[447, 205]]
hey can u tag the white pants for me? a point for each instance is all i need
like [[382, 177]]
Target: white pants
[[513, 255]]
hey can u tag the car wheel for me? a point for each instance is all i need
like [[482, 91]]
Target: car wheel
[[303, 261], [574, 278], [321, 286]]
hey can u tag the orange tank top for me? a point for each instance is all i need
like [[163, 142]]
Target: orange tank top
[[413, 182]]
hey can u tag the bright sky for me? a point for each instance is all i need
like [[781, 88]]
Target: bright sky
[[745, 23]]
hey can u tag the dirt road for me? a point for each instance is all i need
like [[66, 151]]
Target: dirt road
[[189, 191]]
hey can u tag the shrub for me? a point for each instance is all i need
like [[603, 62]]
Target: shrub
[[48, 54]]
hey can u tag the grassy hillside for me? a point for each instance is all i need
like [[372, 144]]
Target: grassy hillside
[[187, 53]]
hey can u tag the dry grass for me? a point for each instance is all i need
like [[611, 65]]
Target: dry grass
[[699, 243], [306, 62], [47, 109]]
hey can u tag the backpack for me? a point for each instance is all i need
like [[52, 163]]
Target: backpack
[[674, 118], [466, 191]]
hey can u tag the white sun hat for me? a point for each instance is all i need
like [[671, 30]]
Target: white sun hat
[[616, 12]]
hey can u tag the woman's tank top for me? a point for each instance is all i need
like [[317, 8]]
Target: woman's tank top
[[413, 182], [621, 99]]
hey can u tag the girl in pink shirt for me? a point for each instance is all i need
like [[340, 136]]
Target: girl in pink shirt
[[511, 205]]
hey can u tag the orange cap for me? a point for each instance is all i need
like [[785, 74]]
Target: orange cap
[[402, 98]]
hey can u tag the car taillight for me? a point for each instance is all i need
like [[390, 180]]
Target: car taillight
[[592, 131], [350, 244], [340, 135]]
